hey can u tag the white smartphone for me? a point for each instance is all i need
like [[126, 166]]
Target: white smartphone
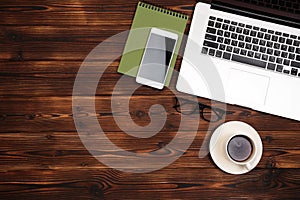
[[157, 58]]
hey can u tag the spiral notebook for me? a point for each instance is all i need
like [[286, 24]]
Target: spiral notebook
[[146, 17]]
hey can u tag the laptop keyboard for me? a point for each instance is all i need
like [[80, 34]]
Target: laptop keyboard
[[257, 46]]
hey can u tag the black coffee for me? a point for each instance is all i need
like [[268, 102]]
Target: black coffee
[[239, 148]]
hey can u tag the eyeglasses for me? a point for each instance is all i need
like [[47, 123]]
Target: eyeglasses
[[207, 113]]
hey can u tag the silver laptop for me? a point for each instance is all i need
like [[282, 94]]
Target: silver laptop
[[253, 56]]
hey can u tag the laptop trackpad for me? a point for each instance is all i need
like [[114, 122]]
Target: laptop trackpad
[[247, 89]]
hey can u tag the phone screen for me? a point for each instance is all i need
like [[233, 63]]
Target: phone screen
[[157, 57]]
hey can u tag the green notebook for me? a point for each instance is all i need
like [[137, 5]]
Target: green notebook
[[146, 17]]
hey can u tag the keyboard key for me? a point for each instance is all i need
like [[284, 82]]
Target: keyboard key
[[292, 56], [243, 52], [278, 33], [226, 21], [274, 38], [226, 55], [204, 50], [262, 42], [295, 64], [250, 53], [229, 48], [262, 49], [248, 39], [219, 20], [246, 31], [279, 60], [267, 36], [271, 31], [285, 35], [249, 61], [276, 45], [210, 37], [239, 29], [253, 33], [279, 68], [232, 28], [255, 41], [241, 24], [211, 23], [264, 57], [234, 43], [284, 47], [260, 35], [234, 23], [294, 71], [270, 51], [256, 28], [211, 30], [210, 44], [241, 44], [296, 43], [298, 57], [291, 49], [257, 55], [281, 39], [227, 41], [298, 50], [227, 34], [222, 47], [286, 62], [211, 52], [272, 59], [271, 66], [219, 54], [284, 54], [241, 37], [249, 26], [248, 46], [220, 32], [276, 53], [212, 18], [293, 36], [286, 71], [269, 44], [263, 30], [218, 25], [255, 48], [236, 50], [234, 36], [289, 41], [225, 27], [220, 39]]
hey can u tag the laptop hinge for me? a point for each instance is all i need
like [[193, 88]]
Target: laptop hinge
[[217, 5]]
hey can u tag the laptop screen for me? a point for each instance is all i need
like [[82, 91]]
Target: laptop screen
[[286, 10]]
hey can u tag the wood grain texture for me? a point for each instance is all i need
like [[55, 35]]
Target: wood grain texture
[[42, 45]]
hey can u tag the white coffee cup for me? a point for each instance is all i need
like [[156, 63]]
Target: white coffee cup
[[240, 142]]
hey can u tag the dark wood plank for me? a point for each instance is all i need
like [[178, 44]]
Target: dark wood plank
[[64, 150], [55, 114], [167, 184]]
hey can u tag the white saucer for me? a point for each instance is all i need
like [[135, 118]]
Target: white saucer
[[217, 146]]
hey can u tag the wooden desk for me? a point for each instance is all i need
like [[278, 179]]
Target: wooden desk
[[42, 45]]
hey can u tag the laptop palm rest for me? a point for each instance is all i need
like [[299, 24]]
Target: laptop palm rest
[[246, 89]]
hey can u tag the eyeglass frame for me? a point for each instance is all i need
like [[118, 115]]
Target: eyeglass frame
[[218, 111]]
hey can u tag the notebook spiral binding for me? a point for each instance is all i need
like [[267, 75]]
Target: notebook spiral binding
[[163, 10]]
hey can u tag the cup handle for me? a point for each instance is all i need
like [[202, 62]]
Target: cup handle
[[248, 166]]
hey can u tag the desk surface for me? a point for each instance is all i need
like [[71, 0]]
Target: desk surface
[[43, 44]]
